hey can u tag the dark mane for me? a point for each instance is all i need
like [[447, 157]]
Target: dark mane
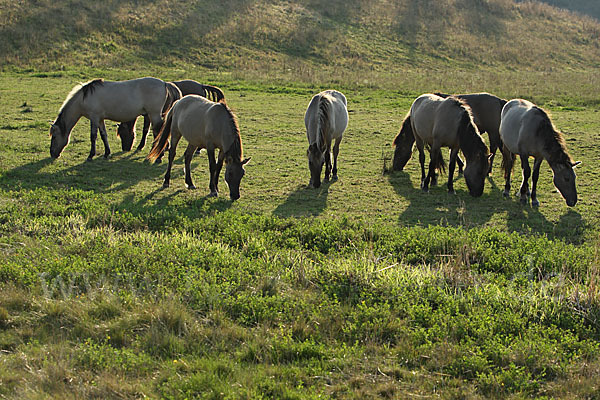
[[554, 143], [89, 87], [235, 150], [471, 143]]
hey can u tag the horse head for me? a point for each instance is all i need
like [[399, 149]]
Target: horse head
[[564, 180], [404, 145], [58, 139], [475, 173], [316, 159], [234, 172], [126, 131]]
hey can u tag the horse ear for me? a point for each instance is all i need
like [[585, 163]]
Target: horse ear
[[245, 161], [576, 163]]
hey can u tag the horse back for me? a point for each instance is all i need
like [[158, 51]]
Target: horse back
[[435, 120], [486, 109], [336, 106], [203, 123], [519, 126], [124, 100]]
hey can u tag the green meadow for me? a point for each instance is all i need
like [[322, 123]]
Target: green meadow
[[366, 288]]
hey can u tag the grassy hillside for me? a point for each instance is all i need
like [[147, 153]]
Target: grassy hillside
[[276, 35]]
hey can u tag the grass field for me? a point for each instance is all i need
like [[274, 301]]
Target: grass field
[[365, 288]]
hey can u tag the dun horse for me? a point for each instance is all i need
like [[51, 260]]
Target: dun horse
[[526, 130], [209, 125], [326, 119], [443, 122], [117, 101], [486, 109], [126, 130]]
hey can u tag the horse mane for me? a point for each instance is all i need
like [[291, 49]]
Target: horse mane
[[553, 141], [235, 150], [89, 87], [406, 127], [323, 120], [467, 132], [85, 88]]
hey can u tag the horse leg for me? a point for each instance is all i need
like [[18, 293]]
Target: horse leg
[[93, 137], [212, 166], [534, 178], [189, 153], [421, 149], [526, 174], [218, 169], [433, 156], [327, 163], [336, 151], [157, 123], [495, 144], [175, 136], [453, 158], [508, 159], [145, 130], [104, 138]]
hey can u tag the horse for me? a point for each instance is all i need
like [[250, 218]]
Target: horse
[[326, 119], [204, 124], [118, 101], [486, 109], [126, 130], [526, 130], [436, 121]]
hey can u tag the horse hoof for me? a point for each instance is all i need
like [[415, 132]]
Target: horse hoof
[[213, 194], [165, 185], [451, 191], [89, 159], [506, 194], [107, 156], [158, 161], [425, 189], [524, 201], [535, 203], [190, 187], [334, 178]]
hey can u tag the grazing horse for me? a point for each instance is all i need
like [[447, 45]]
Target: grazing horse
[[117, 101], [326, 119], [126, 130], [526, 130], [209, 125], [443, 122], [486, 109]]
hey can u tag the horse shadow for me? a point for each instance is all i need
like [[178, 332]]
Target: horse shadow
[[304, 201], [99, 175], [439, 207]]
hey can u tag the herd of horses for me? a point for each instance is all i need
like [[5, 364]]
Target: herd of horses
[[200, 114]]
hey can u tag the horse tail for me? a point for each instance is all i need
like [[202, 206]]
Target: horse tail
[[160, 142], [213, 93], [173, 94], [440, 165], [323, 120]]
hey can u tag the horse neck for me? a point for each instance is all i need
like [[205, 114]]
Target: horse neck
[[553, 145], [69, 115]]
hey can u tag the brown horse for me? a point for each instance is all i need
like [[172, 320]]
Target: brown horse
[[126, 130], [444, 122], [486, 109], [526, 130], [209, 125], [117, 101]]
